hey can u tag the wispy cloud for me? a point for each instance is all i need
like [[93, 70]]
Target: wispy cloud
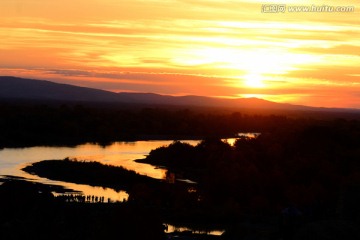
[[202, 47]]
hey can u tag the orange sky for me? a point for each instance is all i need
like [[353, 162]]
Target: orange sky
[[203, 47]]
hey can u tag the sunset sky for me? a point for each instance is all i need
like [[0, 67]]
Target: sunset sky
[[188, 47]]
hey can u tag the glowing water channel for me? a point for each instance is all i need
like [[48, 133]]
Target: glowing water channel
[[12, 160]]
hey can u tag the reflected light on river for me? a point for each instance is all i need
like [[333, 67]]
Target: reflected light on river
[[87, 190], [12, 160], [120, 154], [174, 229], [231, 141]]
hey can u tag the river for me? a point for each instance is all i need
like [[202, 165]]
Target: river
[[12, 160]]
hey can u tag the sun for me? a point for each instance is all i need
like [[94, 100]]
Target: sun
[[244, 67], [254, 80]]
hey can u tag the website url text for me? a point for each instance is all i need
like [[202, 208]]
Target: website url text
[[282, 8]]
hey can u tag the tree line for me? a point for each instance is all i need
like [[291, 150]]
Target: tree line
[[42, 124]]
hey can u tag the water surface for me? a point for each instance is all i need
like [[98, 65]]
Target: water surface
[[12, 160], [117, 154]]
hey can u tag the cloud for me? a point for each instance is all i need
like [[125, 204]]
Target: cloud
[[202, 47]]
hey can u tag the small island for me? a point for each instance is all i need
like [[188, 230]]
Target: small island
[[90, 173]]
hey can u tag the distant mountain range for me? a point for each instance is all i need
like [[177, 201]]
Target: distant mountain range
[[14, 88]]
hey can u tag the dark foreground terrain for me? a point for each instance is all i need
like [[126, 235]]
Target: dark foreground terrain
[[300, 179], [298, 184], [30, 211]]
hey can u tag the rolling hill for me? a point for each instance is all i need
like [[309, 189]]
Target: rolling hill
[[14, 88]]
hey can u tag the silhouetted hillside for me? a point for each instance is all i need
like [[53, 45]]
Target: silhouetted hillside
[[13, 88], [19, 88]]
